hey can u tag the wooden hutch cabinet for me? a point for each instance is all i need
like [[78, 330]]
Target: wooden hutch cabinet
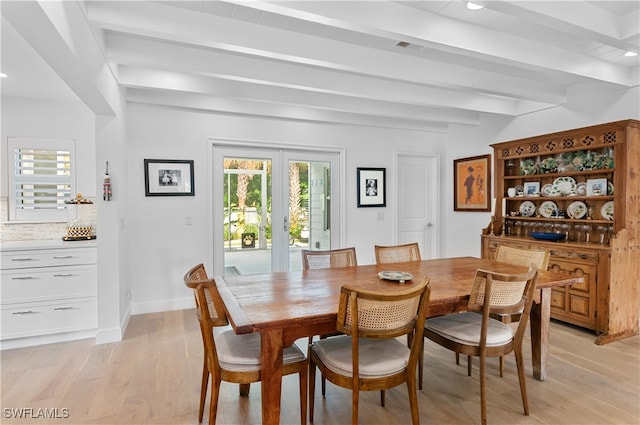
[[581, 187]]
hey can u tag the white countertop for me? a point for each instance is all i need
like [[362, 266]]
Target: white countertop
[[45, 244]]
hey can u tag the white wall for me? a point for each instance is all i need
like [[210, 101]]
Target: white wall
[[162, 247], [463, 229], [50, 119]]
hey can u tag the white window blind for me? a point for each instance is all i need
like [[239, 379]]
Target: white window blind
[[41, 178]]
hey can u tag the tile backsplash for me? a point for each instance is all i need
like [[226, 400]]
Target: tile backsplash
[[30, 231]]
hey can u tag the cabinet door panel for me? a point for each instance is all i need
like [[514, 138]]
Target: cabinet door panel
[[48, 258], [558, 299], [581, 307], [42, 319], [31, 285]]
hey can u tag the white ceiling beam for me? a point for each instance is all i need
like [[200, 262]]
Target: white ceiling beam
[[193, 101], [143, 52], [241, 38], [164, 80], [59, 34], [420, 26], [592, 22]]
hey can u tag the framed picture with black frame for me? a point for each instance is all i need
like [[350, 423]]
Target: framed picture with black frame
[[372, 187], [168, 177]]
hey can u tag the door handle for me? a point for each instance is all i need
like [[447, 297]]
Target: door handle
[[286, 224]]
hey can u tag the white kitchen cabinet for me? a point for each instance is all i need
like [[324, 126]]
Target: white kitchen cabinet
[[48, 292]]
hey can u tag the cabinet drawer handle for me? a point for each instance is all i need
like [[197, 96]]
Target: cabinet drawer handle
[[63, 308], [25, 312], [63, 275], [62, 257], [22, 259], [23, 278]]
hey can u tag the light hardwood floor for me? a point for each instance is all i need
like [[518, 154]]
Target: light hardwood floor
[[153, 377]]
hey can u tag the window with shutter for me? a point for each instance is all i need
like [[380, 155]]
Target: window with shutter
[[41, 178]]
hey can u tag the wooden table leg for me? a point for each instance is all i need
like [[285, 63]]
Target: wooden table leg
[[540, 321], [271, 345]]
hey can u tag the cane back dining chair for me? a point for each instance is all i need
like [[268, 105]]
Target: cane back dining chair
[[397, 253], [400, 254], [476, 333], [518, 257], [230, 357], [328, 259], [369, 357]]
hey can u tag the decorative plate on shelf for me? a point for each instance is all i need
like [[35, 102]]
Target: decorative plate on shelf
[[519, 189], [396, 276], [547, 209], [527, 209], [607, 210], [582, 189], [609, 188], [565, 185], [577, 209], [547, 190]]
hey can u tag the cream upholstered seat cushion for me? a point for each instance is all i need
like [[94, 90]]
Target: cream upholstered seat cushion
[[242, 352], [465, 328], [378, 357]]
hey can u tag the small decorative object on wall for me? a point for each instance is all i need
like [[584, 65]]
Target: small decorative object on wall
[[107, 192], [168, 177], [472, 183], [372, 187]]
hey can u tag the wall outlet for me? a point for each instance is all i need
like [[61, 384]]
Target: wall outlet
[[188, 220]]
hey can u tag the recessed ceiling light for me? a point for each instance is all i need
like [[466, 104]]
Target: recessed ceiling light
[[3, 75], [474, 6], [630, 53]]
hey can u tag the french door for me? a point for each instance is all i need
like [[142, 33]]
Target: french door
[[269, 204]]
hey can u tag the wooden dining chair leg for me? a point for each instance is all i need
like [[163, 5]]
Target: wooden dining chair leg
[[413, 400], [457, 358], [420, 367], [483, 390], [303, 378], [244, 390], [355, 402], [501, 366], [382, 397], [203, 390], [469, 365], [522, 379], [213, 403], [312, 387]]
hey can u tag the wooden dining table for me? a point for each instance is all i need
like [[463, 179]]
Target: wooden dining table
[[286, 306]]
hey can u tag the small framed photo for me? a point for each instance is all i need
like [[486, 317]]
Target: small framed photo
[[472, 184], [372, 187], [168, 177], [531, 188], [596, 187]]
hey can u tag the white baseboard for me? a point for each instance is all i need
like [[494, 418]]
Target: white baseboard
[[163, 305], [30, 341]]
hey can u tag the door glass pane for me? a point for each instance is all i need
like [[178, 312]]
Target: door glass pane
[[309, 208], [247, 216]]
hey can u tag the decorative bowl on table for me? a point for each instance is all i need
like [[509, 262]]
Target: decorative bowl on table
[[395, 276], [547, 236]]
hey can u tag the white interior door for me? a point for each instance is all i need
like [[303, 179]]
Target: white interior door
[[417, 186]]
